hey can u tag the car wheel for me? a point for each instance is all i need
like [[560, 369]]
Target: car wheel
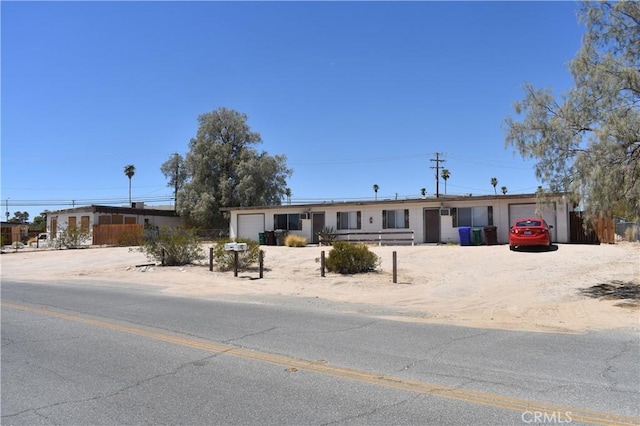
[[512, 248]]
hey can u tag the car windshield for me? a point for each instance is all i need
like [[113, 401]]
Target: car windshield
[[529, 223]]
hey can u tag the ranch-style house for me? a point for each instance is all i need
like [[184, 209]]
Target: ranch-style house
[[412, 221]]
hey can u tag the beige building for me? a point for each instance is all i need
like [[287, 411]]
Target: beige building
[[417, 221], [96, 217]]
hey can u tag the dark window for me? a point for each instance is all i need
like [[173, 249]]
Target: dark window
[[349, 220], [472, 216], [395, 219], [529, 223], [289, 222]]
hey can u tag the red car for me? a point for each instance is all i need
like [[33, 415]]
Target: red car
[[530, 232]]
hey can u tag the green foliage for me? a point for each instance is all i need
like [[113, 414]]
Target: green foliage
[[224, 169], [173, 169], [181, 246], [74, 237], [295, 241], [347, 258], [588, 142], [327, 236], [19, 217], [39, 224], [224, 259]]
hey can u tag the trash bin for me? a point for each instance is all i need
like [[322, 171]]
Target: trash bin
[[270, 238], [491, 235], [262, 239], [465, 235], [280, 236], [477, 237]]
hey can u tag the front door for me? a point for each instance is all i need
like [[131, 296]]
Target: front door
[[317, 224], [432, 226]]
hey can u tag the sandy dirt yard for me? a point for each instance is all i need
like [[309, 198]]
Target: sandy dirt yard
[[476, 286]]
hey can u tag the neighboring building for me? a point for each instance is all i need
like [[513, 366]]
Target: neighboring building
[[426, 220], [14, 233], [96, 217]]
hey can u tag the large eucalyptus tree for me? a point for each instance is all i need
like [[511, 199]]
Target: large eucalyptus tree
[[223, 168], [587, 141]]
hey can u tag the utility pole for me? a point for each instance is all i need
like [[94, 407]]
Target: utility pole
[[437, 160], [175, 191]]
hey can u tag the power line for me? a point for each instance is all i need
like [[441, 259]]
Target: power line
[[88, 201]]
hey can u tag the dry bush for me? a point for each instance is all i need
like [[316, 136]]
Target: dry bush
[[295, 241]]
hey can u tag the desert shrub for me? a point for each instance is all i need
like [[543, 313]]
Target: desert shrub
[[181, 246], [327, 236], [74, 237], [347, 258], [224, 259], [295, 241], [130, 237], [631, 233]]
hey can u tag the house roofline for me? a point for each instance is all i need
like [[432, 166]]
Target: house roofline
[[440, 199], [93, 208]]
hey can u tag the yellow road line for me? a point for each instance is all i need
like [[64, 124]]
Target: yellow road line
[[515, 404]]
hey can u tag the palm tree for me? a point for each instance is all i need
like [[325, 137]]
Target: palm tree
[[494, 182], [504, 190], [129, 170], [287, 192], [423, 192], [375, 189], [445, 174]]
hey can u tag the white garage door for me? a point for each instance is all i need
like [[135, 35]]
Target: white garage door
[[518, 211], [250, 225]]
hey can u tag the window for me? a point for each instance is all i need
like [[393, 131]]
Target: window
[[349, 220], [289, 222], [71, 223], [395, 219], [472, 216], [84, 223]]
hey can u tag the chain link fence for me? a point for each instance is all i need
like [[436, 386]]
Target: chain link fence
[[628, 231]]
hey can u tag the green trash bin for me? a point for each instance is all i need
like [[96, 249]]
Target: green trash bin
[[262, 239], [477, 237]]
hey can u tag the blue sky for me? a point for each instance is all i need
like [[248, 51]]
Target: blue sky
[[353, 93]]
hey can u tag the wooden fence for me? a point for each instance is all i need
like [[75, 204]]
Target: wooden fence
[[113, 235], [601, 231]]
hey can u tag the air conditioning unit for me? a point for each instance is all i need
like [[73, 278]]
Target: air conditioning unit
[[304, 215], [445, 211], [137, 205]]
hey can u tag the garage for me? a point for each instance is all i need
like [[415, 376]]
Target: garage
[[250, 225], [519, 211]]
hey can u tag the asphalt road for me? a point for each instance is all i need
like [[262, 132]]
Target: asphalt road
[[74, 354]]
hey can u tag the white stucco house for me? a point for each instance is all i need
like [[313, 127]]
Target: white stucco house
[[417, 221], [90, 217]]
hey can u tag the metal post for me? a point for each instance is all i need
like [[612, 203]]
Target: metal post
[[261, 259], [235, 263], [162, 257], [322, 263], [210, 258], [395, 267]]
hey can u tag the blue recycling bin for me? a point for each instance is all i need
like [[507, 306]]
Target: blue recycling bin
[[465, 235]]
